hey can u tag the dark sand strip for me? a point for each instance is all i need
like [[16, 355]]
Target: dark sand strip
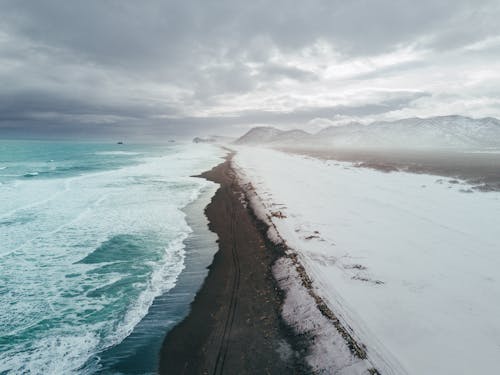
[[234, 326]]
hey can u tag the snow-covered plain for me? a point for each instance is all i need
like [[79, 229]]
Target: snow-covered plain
[[409, 263]]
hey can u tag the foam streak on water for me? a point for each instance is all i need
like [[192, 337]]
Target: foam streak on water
[[86, 244]]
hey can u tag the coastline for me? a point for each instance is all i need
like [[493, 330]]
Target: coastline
[[138, 353], [235, 323]]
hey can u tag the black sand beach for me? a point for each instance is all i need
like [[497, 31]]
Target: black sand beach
[[234, 326]]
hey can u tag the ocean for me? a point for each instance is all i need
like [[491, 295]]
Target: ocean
[[102, 247]]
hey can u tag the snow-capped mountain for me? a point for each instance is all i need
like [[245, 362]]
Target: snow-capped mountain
[[444, 132], [270, 135]]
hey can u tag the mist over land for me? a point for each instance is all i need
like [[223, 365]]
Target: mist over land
[[435, 133], [453, 146]]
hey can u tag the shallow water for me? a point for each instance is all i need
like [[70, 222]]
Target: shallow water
[[90, 235]]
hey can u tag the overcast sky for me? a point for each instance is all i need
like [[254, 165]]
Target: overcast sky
[[196, 67]]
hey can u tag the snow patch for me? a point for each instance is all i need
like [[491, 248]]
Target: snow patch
[[408, 271], [332, 349]]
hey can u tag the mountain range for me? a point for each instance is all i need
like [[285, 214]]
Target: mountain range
[[443, 132]]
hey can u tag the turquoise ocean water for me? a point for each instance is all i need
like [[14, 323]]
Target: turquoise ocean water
[[94, 238]]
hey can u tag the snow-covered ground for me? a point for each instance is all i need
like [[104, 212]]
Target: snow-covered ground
[[410, 263]]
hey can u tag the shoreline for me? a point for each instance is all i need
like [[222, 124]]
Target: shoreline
[[235, 323], [138, 352]]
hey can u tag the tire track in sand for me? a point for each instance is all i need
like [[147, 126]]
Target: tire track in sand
[[228, 324]]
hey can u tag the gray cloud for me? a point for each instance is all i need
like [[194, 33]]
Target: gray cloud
[[273, 71], [185, 65]]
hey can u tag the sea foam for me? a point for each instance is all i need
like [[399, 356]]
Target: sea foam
[[83, 257]]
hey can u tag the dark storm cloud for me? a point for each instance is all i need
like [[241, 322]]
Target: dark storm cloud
[[216, 62], [128, 33]]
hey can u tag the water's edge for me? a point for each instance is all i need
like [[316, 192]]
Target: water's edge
[[139, 352]]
